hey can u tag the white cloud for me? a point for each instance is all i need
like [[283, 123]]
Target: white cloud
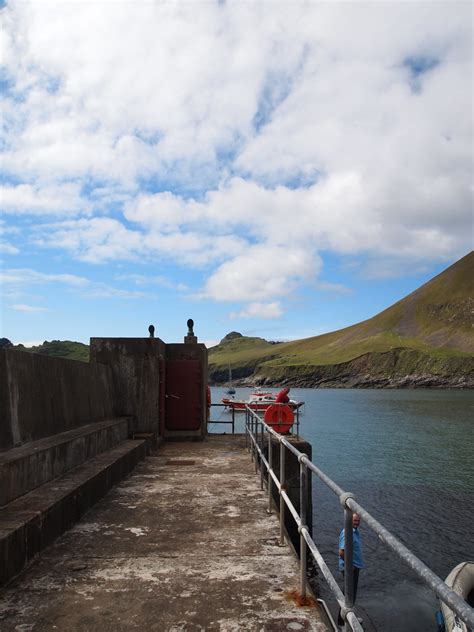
[[259, 310], [272, 131], [104, 291], [162, 281], [28, 308], [8, 249], [335, 288], [93, 240], [17, 282], [62, 199], [23, 276], [260, 273]]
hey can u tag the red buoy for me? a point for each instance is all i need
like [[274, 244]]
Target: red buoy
[[279, 417]]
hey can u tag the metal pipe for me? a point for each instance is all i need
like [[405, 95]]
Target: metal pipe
[[282, 488], [348, 560], [292, 508], [270, 469], [256, 445], [440, 588], [328, 576], [303, 513]]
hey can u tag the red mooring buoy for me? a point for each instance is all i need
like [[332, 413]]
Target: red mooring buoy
[[279, 417]]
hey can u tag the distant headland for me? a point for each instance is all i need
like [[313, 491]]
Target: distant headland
[[424, 340]]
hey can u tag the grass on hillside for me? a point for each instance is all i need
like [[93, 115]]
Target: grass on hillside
[[436, 320], [63, 349]]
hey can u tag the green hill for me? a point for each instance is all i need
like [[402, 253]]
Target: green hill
[[62, 349], [424, 339]]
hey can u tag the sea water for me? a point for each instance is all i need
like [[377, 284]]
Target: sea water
[[408, 456]]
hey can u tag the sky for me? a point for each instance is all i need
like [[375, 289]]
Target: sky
[[281, 169]]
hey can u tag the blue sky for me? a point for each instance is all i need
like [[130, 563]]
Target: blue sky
[[279, 169]]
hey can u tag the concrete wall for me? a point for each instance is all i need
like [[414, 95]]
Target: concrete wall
[[137, 366], [42, 395]]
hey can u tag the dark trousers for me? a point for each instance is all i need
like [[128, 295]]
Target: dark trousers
[[340, 620]]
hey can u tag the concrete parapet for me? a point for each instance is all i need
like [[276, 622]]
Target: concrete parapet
[[43, 395], [31, 522], [33, 464]]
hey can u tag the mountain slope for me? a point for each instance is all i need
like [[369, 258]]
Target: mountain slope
[[433, 324], [62, 349]]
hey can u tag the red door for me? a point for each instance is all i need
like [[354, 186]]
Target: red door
[[184, 395]]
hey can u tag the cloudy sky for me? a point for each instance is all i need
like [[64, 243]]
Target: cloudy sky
[[276, 168]]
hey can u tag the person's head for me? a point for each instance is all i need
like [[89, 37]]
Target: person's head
[[355, 520], [286, 390]]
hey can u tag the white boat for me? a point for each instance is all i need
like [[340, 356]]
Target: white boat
[[461, 580], [259, 401]]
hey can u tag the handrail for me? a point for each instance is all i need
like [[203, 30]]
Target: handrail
[[347, 500], [231, 422]]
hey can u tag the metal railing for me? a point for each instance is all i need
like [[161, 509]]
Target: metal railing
[[255, 429], [231, 422]]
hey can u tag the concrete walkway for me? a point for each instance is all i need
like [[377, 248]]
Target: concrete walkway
[[184, 543]]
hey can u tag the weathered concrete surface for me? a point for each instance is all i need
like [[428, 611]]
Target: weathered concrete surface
[[32, 522], [42, 395], [138, 369], [184, 543], [33, 464]]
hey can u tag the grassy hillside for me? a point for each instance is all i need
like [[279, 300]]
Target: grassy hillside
[[435, 321], [63, 349]]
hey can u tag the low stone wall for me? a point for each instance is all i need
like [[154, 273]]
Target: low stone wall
[[41, 396]]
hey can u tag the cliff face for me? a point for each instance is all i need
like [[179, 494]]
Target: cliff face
[[398, 368], [423, 340]]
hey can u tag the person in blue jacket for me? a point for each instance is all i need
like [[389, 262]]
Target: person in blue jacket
[[357, 558]]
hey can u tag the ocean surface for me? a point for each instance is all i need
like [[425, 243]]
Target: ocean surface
[[408, 456]]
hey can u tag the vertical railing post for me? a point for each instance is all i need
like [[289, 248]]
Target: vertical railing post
[[256, 444], [262, 466], [282, 488], [270, 469], [348, 563], [246, 431], [303, 515], [233, 420], [251, 432]]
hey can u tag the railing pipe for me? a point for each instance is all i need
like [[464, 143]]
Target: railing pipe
[[270, 469], [282, 498], [292, 509], [441, 589], [348, 561], [303, 511]]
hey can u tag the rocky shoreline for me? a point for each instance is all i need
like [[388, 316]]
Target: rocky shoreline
[[397, 368]]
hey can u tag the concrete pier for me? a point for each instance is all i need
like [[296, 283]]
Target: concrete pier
[[184, 543]]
